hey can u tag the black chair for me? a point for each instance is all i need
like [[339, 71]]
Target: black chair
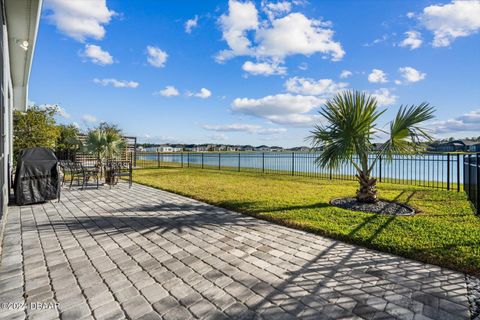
[[119, 169], [80, 172]]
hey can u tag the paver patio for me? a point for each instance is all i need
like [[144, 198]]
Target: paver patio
[[143, 253]]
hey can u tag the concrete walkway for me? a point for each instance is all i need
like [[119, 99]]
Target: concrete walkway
[[143, 253]]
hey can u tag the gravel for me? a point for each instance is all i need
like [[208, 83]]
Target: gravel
[[473, 293], [382, 207]]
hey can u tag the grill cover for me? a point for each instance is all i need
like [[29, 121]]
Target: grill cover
[[37, 177]]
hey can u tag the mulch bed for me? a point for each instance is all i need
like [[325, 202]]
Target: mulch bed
[[381, 207]]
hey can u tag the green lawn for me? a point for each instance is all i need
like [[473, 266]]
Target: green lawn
[[444, 232]]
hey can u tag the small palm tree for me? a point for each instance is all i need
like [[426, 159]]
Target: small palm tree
[[350, 127], [105, 144]]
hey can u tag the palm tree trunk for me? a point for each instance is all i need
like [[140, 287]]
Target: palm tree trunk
[[367, 193]]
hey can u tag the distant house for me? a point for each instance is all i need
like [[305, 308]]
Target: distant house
[[475, 147], [247, 148], [190, 147], [453, 146], [300, 149], [263, 148], [276, 149], [151, 149], [232, 148]]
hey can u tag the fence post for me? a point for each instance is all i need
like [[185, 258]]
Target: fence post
[[477, 168], [202, 160], [293, 163], [469, 177], [263, 162], [158, 159], [219, 161], [188, 160], [458, 172], [239, 162], [448, 171], [181, 156], [330, 173], [380, 168]]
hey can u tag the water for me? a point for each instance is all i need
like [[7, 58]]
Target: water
[[428, 169]]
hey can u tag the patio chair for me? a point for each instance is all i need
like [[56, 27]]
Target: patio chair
[[66, 168], [120, 169], [80, 172]]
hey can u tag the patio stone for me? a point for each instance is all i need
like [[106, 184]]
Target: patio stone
[[143, 253]]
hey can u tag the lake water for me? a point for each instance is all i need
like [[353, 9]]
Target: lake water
[[430, 169]]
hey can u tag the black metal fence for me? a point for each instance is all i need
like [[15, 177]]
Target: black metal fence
[[471, 172], [441, 171]]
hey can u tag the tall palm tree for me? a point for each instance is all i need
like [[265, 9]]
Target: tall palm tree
[[347, 136]]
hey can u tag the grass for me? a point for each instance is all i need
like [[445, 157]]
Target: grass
[[445, 231]]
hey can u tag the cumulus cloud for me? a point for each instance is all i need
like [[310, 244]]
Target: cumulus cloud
[[263, 68], [377, 76], [281, 108], [116, 83], [89, 118], [413, 40], [459, 18], [384, 97], [218, 137], [240, 127], [169, 91], [97, 55], [282, 35], [410, 75], [274, 10], [190, 24], [79, 19], [468, 122], [204, 93], [345, 74], [308, 86], [156, 57]]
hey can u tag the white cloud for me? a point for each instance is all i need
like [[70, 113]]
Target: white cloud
[[218, 137], [89, 118], [60, 111], [377, 76], [308, 86], [263, 68], [80, 19], [275, 39], [241, 18], [276, 9], [169, 91], [410, 15], [296, 120], [281, 108], [76, 125], [384, 97], [410, 75], [345, 74], [97, 55], [156, 57], [240, 127], [468, 122], [190, 24], [413, 40], [459, 18], [204, 93], [303, 66], [116, 83], [296, 34]]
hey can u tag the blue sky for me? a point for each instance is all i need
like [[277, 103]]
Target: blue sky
[[243, 72]]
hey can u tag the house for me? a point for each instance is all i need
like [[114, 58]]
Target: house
[[276, 149], [150, 149], [263, 148], [19, 20], [453, 146], [475, 147], [247, 148], [232, 148], [190, 147], [300, 149], [165, 148]]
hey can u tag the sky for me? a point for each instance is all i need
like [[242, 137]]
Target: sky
[[253, 72]]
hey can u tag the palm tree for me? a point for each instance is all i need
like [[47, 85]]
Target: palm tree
[[105, 144], [346, 136]]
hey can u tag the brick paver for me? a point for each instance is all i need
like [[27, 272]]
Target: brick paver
[[142, 253]]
